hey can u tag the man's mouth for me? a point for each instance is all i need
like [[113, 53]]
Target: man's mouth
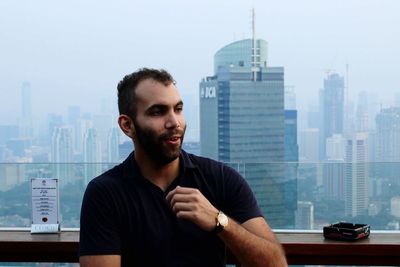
[[175, 139]]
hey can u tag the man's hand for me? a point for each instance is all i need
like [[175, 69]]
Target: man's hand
[[253, 242], [190, 204]]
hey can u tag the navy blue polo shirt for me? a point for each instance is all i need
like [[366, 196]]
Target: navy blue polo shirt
[[125, 214]]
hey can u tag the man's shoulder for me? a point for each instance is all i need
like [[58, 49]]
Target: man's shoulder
[[208, 165], [195, 161], [108, 176], [113, 176]]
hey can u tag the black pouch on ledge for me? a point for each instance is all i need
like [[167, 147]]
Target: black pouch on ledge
[[346, 231]]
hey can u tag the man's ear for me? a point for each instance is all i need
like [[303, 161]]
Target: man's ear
[[126, 125]]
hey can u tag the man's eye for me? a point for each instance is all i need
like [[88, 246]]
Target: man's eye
[[156, 112]]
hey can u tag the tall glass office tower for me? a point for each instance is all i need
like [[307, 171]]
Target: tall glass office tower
[[242, 123], [331, 110]]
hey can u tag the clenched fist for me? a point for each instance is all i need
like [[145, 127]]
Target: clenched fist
[[190, 204]]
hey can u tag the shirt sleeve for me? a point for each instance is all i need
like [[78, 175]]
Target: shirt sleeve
[[99, 229], [240, 201]]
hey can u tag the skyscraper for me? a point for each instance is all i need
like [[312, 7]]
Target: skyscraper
[[113, 145], [73, 116], [242, 123], [356, 175], [103, 123], [91, 155], [291, 159], [333, 177], [61, 154], [331, 110]]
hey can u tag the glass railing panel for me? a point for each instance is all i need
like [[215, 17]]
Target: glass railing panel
[[15, 196], [291, 195], [312, 195]]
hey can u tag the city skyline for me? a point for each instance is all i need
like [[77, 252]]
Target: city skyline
[[249, 127], [82, 52]]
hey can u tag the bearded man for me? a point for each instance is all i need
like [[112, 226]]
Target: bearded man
[[163, 206]]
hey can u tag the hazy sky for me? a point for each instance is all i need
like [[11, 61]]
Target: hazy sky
[[75, 52]]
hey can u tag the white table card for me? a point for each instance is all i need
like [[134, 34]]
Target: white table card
[[45, 205]]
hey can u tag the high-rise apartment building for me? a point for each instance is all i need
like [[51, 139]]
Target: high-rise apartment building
[[103, 123], [333, 177], [242, 122], [331, 110], [91, 155], [73, 120], [61, 154], [113, 145], [356, 175], [80, 128]]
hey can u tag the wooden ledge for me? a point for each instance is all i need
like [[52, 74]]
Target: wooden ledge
[[301, 248], [311, 248], [22, 246]]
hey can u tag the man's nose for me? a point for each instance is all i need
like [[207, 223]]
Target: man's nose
[[172, 121]]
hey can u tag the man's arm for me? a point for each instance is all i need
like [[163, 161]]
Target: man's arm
[[100, 261], [252, 242]]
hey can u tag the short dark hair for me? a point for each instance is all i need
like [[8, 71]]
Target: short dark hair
[[127, 86]]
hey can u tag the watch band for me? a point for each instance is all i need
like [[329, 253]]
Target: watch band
[[218, 229]]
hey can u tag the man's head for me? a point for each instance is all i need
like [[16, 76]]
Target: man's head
[[127, 99], [151, 113]]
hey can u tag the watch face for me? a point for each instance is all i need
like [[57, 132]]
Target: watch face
[[222, 219]]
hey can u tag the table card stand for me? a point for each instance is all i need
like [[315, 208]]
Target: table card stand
[[45, 206]]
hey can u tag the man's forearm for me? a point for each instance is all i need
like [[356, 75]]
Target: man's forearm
[[253, 242], [250, 249]]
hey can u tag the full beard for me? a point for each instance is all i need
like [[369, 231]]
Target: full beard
[[155, 147]]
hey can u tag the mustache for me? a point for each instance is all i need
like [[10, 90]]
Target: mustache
[[169, 134]]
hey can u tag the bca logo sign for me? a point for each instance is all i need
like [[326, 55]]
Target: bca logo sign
[[208, 92]]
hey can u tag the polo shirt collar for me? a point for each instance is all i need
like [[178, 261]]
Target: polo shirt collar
[[132, 168], [187, 160]]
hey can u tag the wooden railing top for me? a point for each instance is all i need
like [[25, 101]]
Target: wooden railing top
[[301, 248]]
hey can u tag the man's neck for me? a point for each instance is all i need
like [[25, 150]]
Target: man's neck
[[161, 175]]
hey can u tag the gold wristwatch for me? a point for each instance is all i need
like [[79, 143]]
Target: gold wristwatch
[[221, 222]]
